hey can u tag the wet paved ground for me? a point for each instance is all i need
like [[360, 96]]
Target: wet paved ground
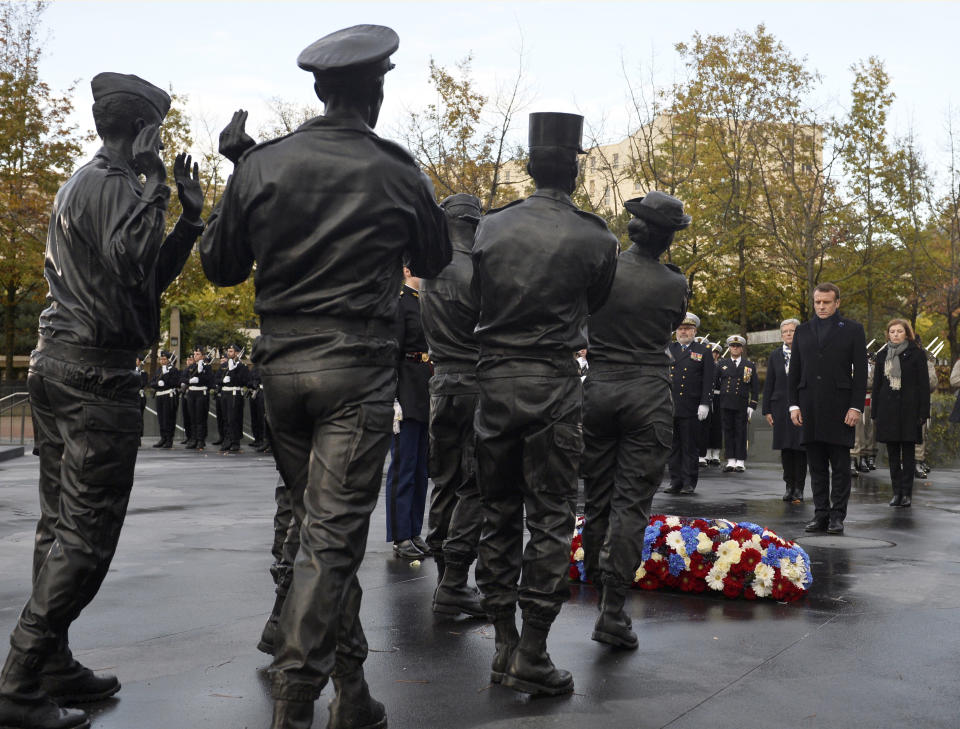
[[876, 643]]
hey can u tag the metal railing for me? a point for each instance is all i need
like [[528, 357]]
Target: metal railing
[[16, 425]]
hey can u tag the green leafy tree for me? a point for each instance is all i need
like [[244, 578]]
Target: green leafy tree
[[38, 148]]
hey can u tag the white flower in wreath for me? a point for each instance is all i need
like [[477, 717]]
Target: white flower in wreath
[[792, 571], [676, 543], [704, 543], [756, 539], [763, 574], [686, 562], [730, 551], [578, 555], [715, 576], [641, 573], [761, 589], [673, 521], [656, 557]]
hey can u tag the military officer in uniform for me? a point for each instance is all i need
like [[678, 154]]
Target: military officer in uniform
[[185, 413], [448, 322], [711, 429], [255, 396], [328, 213], [691, 374], [541, 265], [164, 384], [107, 263], [144, 380], [863, 455], [736, 379], [627, 413], [199, 381], [217, 394], [406, 494], [233, 384]]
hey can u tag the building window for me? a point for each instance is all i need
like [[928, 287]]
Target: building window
[[593, 162], [593, 186], [506, 176], [636, 186], [616, 160]]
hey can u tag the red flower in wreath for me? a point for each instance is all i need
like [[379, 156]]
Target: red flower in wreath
[[732, 587], [749, 593], [750, 558], [649, 582], [699, 567]]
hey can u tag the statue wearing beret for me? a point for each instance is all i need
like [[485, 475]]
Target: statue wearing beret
[[107, 262], [541, 266], [328, 213], [627, 407]]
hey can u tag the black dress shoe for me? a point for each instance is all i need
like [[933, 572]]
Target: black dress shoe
[[79, 685], [159, 443], [191, 445], [871, 463], [42, 714], [688, 489], [817, 525], [853, 471], [835, 526], [406, 550], [905, 501], [788, 496], [218, 441], [673, 489], [895, 501]]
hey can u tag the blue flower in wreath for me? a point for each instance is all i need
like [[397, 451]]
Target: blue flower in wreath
[[689, 535], [755, 528], [676, 564]]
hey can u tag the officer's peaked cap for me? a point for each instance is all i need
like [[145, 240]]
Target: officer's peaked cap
[[736, 339], [361, 50], [660, 209], [553, 129], [165, 353], [691, 319], [108, 83]]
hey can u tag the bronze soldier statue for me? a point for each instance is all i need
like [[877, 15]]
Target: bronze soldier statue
[[107, 263], [628, 414], [541, 265], [328, 213]]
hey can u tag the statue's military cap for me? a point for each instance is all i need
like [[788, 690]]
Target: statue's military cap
[[107, 83], [462, 205], [660, 209], [361, 50], [552, 130]]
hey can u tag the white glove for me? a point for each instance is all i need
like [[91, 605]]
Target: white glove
[[253, 394], [226, 379], [702, 412], [160, 383], [397, 416], [749, 413], [194, 380]]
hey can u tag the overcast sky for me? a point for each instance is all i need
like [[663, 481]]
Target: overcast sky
[[226, 55]]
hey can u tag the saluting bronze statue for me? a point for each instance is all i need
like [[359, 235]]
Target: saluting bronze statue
[[107, 263], [328, 213]]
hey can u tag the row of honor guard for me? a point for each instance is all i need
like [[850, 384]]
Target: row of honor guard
[[190, 390], [714, 397]]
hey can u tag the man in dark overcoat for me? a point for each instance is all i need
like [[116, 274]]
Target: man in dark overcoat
[[541, 266], [828, 386], [691, 377], [328, 213], [775, 406]]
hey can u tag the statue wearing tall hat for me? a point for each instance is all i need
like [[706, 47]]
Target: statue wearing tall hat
[[107, 263], [541, 266], [328, 213], [627, 409]]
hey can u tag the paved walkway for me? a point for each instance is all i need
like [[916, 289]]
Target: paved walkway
[[875, 644]]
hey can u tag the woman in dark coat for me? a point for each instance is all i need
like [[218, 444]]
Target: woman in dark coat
[[775, 406], [901, 404]]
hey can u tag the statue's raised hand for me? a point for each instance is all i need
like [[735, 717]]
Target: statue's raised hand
[[188, 186], [234, 141], [146, 154]]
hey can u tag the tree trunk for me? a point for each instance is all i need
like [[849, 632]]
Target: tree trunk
[[742, 256]]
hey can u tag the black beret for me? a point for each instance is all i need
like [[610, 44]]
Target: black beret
[[360, 50], [105, 84], [660, 209], [556, 129]]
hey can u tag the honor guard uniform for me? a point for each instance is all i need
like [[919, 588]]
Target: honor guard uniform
[[165, 385], [407, 474], [739, 387], [185, 412], [200, 379], [255, 396], [541, 266], [863, 455], [691, 375], [328, 213], [217, 392], [711, 429], [627, 411], [144, 379], [233, 384], [448, 316]]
